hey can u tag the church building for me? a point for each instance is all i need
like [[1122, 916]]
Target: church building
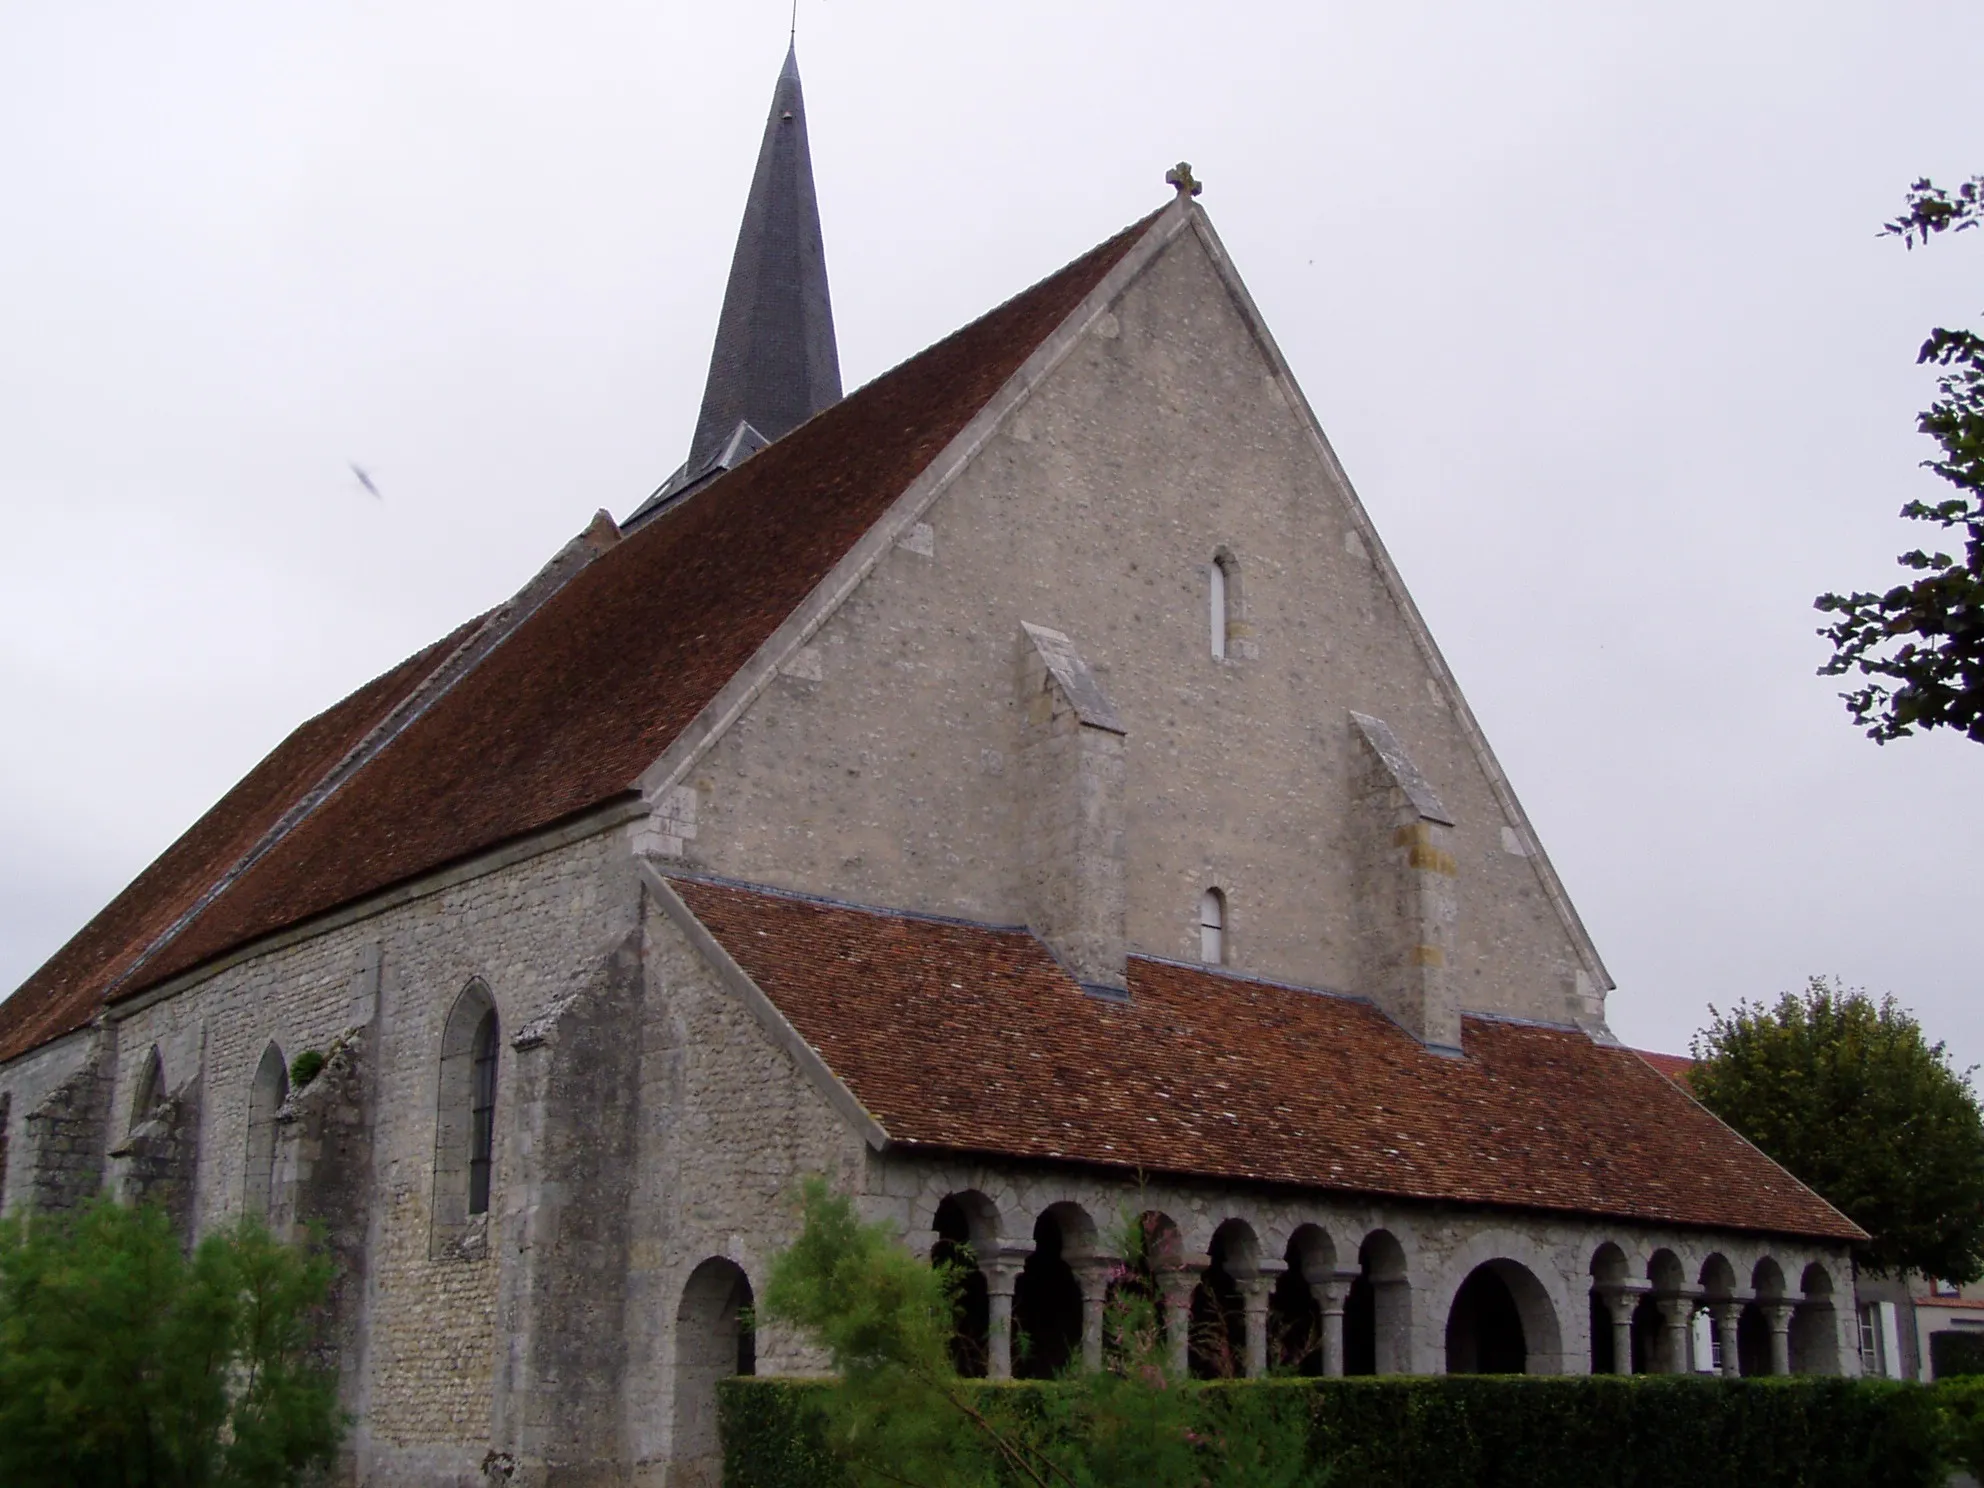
[[1021, 791]]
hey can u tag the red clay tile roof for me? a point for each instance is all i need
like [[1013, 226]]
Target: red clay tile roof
[[1674, 1066], [583, 696], [66, 992], [969, 1038]]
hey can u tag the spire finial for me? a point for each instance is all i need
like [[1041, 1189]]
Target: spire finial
[[794, 38], [1180, 175]]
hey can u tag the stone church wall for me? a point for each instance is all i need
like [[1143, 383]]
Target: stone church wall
[[881, 765], [424, 1389], [729, 1125], [55, 1099]]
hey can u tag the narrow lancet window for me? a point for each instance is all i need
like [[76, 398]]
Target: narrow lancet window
[[1218, 576], [266, 1095], [151, 1089], [482, 1114], [465, 1125], [1212, 927]]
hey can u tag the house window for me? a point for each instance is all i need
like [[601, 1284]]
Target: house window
[[1212, 927], [1941, 1288], [482, 1114]]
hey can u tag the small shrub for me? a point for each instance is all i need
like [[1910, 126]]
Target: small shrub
[[305, 1067], [125, 1360]]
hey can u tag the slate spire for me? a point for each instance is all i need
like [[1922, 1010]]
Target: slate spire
[[775, 364]]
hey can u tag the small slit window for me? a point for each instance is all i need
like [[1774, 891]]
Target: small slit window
[[1212, 927], [1219, 579], [482, 1115]]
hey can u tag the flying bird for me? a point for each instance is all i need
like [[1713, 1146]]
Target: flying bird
[[365, 481]]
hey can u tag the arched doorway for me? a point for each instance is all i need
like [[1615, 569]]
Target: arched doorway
[[713, 1341], [956, 1246], [1135, 1320], [1608, 1278], [1377, 1316], [1484, 1326], [1814, 1341], [1047, 1305], [1295, 1317], [1218, 1348]]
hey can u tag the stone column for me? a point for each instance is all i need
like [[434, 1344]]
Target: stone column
[[1176, 1287], [1092, 1275], [1330, 1296], [1619, 1304], [1726, 1312], [1001, 1276], [1676, 1313], [1779, 1316], [1254, 1292]]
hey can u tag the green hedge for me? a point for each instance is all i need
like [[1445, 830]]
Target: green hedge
[[1479, 1432]]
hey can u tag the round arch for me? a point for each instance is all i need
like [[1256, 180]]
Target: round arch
[[712, 1342], [1537, 1291]]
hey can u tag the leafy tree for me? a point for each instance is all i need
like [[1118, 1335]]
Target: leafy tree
[[900, 1415], [125, 1361], [1921, 644], [1848, 1095]]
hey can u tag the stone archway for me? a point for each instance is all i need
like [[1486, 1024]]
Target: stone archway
[[1484, 1326], [712, 1342], [1477, 1309], [967, 1228], [1047, 1298]]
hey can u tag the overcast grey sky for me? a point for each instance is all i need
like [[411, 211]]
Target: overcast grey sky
[[1588, 297]]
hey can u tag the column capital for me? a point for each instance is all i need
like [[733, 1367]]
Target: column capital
[[1001, 1268], [1254, 1291], [1332, 1290], [1093, 1273], [1778, 1313], [1678, 1308]]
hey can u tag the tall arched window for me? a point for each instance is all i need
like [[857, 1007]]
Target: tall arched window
[[465, 1115], [1220, 586], [265, 1097], [151, 1089], [482, 1114], [6, 1112], [1212, 927]]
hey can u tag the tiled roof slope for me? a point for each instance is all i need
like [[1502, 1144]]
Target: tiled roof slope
[[1674, 1066], [969, 1038], [588, 691], [68, 989]]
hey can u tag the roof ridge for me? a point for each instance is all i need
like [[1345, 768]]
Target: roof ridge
[[827, 901], [492, 628], [499, 745]]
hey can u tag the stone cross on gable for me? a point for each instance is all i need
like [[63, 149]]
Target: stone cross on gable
[[1180, 175]]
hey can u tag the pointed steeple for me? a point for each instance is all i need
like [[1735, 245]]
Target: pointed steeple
[[775, 364]]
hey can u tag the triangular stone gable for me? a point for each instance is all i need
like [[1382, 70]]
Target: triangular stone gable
[[880, 762]]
